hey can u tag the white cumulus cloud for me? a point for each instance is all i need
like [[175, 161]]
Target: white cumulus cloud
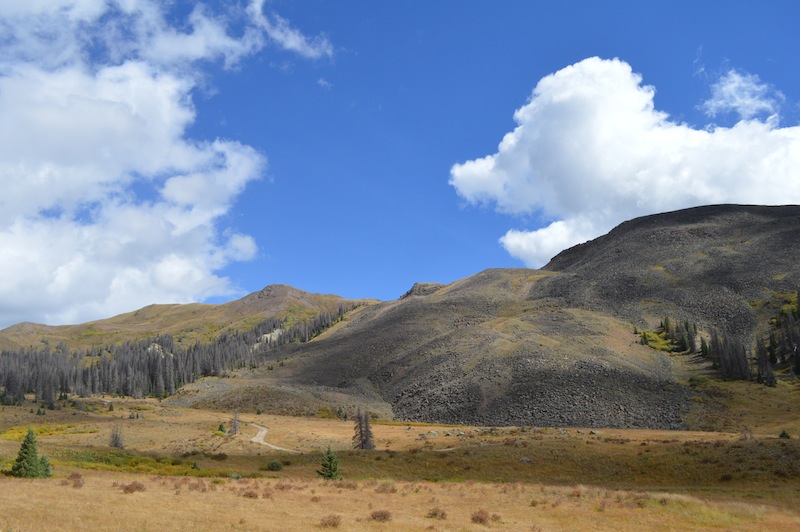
[[108, 205], [591, 150]]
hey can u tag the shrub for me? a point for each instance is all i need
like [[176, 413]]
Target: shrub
[[386, 487], [381, 515], [274, 465], [133, 487], [784, 434], [76, 479], [331, 521], [481, 517], [436, 513]]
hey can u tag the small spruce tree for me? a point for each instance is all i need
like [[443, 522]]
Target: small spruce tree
[[28, 463], [330, 466]]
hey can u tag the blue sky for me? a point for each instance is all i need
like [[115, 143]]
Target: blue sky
[[162, 152]]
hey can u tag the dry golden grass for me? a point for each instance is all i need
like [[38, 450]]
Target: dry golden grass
[[114, 501], [611, 479]]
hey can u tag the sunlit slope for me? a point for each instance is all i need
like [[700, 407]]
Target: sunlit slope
[[188, 322]]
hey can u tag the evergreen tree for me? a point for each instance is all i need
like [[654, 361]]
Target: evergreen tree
[[330, 466], [704, 349], [691, 338], [28, 463]]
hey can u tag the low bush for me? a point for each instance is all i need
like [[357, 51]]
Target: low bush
[[133, 487], [274, 465], [481, 517], [436, 513], [331, 521], [381, 515]]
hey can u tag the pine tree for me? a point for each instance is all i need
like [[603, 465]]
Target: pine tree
[[330, 466], [704, 349], [28, 463]]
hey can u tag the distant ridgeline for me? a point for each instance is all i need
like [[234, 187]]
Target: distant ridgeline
[[153, 367], [779, 351]]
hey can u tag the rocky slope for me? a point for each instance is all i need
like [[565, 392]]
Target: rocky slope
[[480, 351], [725, 266], [555, 347]]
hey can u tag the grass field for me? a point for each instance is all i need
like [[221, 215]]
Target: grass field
[[178, 470], [115, 501]]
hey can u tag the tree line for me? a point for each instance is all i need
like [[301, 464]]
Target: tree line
[[152, 367], [727, 352]]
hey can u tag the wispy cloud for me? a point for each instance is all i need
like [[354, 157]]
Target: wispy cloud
[[281, 32], [91, 115], [590, 150], [743, 94]]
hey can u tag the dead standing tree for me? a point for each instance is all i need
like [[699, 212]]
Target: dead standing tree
[[363, 439]]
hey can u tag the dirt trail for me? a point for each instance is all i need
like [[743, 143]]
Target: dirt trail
[[259, 438]]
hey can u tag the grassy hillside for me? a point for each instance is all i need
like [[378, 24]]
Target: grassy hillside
[[187, 323]]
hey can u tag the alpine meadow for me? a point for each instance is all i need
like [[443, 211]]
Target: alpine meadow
[[268, 265]]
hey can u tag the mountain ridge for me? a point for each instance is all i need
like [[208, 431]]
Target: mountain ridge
[[553, 347], [189, 321]]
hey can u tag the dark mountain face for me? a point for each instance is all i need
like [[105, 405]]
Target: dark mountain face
[[715, 265], [555, 347]]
